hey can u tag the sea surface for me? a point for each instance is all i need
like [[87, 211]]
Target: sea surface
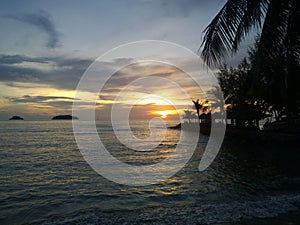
[[45, 180]]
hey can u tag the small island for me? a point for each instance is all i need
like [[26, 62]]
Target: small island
[[16, 118], [65, 117]]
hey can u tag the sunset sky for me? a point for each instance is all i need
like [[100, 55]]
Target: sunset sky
[[46, 46]]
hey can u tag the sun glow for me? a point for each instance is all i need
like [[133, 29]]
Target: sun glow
[[165, 113], [154, 99], [164, 116]]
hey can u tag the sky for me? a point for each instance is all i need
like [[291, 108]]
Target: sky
[[46, 46]]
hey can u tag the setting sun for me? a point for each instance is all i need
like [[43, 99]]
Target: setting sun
[[164, 116], [165, 113]]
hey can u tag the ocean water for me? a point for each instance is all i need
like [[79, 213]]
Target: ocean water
[[45, 180]]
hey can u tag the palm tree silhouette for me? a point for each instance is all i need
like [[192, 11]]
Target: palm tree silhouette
[[201, 106], [278, 21]]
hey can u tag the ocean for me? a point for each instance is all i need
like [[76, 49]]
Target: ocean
[[45, 180]]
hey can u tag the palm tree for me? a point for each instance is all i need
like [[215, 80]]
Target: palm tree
[[201, 106], [277, 20]]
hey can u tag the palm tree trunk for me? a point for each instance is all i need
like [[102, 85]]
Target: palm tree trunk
[[292, 78]]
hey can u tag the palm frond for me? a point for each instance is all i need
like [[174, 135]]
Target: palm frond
[[229, 27], [293, 31], [273, 33], [255, 10]]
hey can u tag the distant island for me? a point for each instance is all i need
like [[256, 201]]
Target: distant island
[[16, 118], [65, 117]]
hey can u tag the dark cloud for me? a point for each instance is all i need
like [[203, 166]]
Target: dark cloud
[[59, 72], [43, 21], [134, 71], [38, 99], [65, 74], [24, 85], [53, 101], [14, 59]]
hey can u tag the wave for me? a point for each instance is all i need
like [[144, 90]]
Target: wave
[[268, 207]]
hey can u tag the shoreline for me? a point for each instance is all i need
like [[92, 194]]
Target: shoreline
[[249, 135]]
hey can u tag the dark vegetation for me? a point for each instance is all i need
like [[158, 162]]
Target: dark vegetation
[[266, 83], [16, 118], [65, 117]]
